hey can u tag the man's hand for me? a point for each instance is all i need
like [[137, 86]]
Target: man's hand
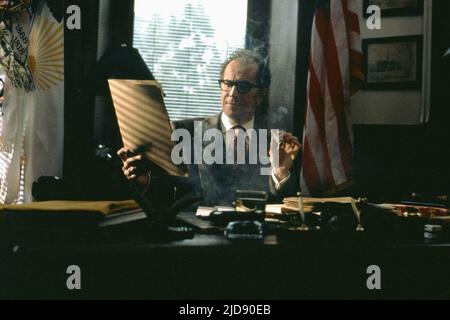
[[288, 149], [133, 167]]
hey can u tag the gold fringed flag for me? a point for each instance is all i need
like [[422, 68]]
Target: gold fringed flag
[[31, 129]]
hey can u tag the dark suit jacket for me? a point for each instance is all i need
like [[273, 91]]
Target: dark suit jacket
[[216, 184]]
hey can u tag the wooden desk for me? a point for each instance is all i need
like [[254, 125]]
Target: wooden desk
[[211, 267]]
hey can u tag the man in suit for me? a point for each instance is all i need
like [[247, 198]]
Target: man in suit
[[244, 82]]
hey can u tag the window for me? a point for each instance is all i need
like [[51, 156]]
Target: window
[[184, 43]]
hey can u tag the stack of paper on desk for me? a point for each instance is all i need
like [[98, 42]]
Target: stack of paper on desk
[[291, 203], [100, 207], [52, 215]]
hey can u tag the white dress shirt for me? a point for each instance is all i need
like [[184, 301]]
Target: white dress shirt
[[228, 124]]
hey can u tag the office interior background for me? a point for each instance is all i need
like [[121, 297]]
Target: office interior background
[[401, 140], [66, 122], [400, 134]]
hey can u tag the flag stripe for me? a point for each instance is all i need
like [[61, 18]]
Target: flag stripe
[[311, 176], [316, 86], [321, 106], [338, 100], [333, 143], [317, 136]]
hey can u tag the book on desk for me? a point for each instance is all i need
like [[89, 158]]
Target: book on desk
[[64, 220], [53, 222]]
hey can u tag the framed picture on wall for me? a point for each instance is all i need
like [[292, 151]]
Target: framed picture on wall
[[390, 8], [393, 63]]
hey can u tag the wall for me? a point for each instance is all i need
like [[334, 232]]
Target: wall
[[393, 160], [393, 154], [80, 52], [284, 21], [395, 107]]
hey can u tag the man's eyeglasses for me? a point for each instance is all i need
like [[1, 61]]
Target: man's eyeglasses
[[241, 86]]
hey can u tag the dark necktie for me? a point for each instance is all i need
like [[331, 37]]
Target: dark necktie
[[239, 144]]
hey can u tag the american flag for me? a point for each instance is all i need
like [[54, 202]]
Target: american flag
[[335, 73]]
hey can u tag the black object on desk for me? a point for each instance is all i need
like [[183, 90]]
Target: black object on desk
[[239, 225]]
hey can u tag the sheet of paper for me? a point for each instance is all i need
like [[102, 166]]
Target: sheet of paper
[[143, 121], [204, 212]]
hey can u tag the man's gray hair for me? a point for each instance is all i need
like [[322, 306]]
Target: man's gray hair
[[263, 75]]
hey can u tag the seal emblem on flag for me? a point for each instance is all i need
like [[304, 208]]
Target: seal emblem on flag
[[31, 46]]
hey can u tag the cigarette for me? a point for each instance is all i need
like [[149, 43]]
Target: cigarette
[[280, 144]]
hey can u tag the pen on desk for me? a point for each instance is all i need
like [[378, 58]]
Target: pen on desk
[[300, 204], [358, 215], [301, 210]]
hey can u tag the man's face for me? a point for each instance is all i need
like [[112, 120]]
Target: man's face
[[240, 106]]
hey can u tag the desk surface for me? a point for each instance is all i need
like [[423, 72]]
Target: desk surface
[[212, 267]]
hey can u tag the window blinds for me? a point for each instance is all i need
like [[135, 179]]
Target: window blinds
[[184, 43]]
